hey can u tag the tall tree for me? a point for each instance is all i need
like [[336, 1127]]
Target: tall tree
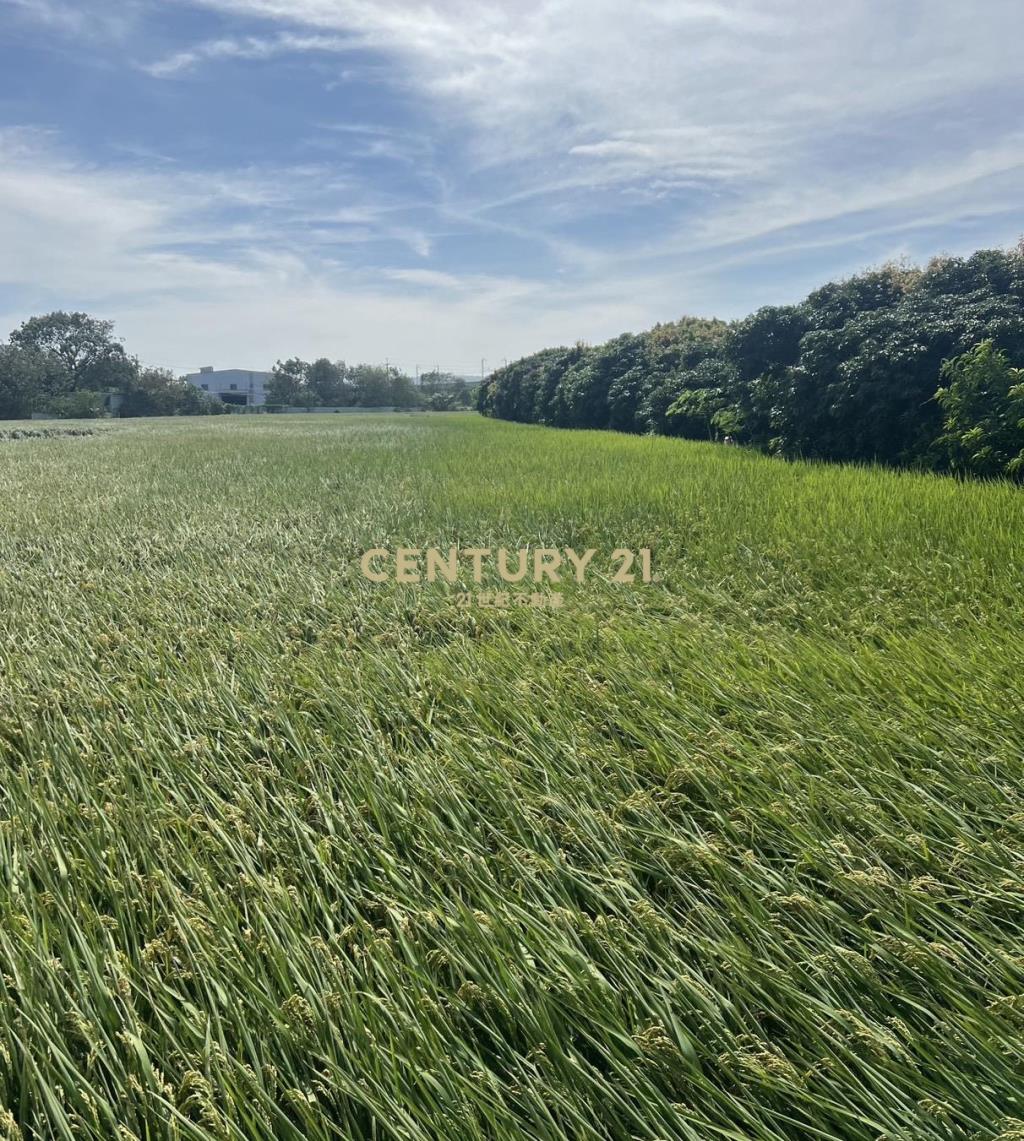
[[403, 393], [373, 385], [288, 383], [436, 381], [81, 352], [328, 384]]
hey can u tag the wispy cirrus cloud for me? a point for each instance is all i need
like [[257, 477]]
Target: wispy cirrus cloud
[[736, 120], [509, 171], [244, 48], [377, 141], [669, 80]]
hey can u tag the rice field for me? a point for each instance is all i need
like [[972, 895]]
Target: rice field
[[286, 853]]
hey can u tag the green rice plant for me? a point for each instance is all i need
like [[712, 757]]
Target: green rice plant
[[286, 853]]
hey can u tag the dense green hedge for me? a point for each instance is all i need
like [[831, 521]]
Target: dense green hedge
[[876, 368]]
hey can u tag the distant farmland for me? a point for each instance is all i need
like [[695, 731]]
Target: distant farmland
[[287, 853]]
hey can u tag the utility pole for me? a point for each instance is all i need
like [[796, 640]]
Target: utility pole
[[483, 362]]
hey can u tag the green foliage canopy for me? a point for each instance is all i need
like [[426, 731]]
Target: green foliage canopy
[[983, 402], [851, 373]]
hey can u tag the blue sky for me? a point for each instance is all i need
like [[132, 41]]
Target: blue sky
[[233, 181]]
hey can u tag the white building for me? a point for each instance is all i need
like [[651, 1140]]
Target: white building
[[232, 385]]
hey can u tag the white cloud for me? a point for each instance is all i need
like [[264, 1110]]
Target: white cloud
[[974, 180], [184, 286], [751, 112], [247, 47], [733, 80], [432, 278], [724, 133], [614, 148]]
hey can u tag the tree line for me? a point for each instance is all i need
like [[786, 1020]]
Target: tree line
[[900, 365], [334, 384], [70, 364]]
